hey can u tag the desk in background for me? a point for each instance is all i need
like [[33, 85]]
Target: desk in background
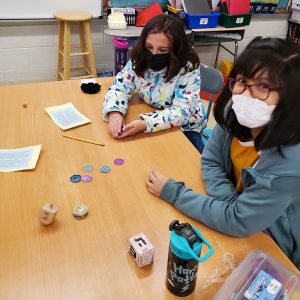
[[201, 40], [195, 36], [88, 259]]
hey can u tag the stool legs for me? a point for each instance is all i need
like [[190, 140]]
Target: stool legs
[[83, 49], [90, 47], [61, 30], [67, 51]]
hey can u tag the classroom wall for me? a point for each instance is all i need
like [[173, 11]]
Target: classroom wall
[[28, 50]]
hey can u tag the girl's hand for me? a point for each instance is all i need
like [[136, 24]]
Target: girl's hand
[[155, 182], [133, 128], [115, 123]]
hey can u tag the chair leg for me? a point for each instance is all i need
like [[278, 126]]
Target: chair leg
[[211, 99], [90, 48], [217, 55], [60, 49], [83, 48], [236, 45], [67, 51]]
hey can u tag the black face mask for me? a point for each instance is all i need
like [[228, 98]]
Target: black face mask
[[156, 62]]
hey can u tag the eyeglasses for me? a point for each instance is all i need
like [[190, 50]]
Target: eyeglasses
[[260, 91]]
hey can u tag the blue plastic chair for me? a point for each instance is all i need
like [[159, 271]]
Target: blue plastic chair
[[211, 82]]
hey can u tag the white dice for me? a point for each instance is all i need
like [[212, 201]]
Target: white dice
[[48, 213], [141, 249]]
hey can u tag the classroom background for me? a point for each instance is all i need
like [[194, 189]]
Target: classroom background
[[28, 48]]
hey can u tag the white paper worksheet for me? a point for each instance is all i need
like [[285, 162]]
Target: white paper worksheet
[[66, 116], [19, 159]]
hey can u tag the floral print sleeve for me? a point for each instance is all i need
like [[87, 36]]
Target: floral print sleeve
[[117, 96], [185, 106]]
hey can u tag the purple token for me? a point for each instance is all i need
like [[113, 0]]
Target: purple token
[[86, 178], [119, 161]]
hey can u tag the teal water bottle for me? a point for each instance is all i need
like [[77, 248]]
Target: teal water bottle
[[184, 256]]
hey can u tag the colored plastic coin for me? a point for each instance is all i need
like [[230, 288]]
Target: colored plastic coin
[[86, 178], [80, 211], [75, 178], [104, 169], [119, 161], [88, 168]]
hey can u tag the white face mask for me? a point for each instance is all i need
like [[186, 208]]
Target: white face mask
[[251, 112]]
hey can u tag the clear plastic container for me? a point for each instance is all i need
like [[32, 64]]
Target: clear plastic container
[[260, 277]]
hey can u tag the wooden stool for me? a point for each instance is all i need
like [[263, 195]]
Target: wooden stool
[[64, 48]]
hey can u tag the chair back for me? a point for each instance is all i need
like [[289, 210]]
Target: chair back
[[211, 82]]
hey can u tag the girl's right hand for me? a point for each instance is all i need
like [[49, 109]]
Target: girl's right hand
[[115, 123]]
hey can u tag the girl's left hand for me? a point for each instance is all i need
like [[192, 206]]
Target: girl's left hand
[[133, 128], [155, 182]]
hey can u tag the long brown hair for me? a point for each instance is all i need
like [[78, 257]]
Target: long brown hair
[[181, 53]]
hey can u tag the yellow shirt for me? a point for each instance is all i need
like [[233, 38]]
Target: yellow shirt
[[241, 157]]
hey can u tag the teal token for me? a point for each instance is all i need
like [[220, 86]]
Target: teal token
[[104, 169], [88, 168], [75, 178]]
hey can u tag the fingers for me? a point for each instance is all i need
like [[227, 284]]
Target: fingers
[[122, 135], [151, 177], [116, 122], [115, 128], [126, 127], [128, 130], [150, 187]]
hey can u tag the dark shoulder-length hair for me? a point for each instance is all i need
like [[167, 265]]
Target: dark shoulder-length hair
[[281, 59], [181, 53]]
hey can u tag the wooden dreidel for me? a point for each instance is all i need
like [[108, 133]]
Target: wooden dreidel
[[48, 213], [141, 249]]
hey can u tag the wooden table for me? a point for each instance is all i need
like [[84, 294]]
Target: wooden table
[[88, 259]]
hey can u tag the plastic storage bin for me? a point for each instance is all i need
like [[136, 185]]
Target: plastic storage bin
[[116, 21], [202, 21], [230, 21], [260, 277]]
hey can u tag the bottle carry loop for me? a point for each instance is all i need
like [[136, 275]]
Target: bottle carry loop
[[192, 235]]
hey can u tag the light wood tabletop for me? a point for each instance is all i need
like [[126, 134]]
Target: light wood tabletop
[[89, 259]]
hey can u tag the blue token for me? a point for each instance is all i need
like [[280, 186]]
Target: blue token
[[104, 169], [75, 178]]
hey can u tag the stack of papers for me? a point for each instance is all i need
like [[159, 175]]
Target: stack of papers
[[19, 159], [66, 116]]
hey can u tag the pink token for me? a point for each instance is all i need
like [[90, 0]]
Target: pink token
[[86, 178], [119, 161]]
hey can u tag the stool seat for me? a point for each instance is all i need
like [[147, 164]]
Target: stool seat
[[66, 18], [72, 16]]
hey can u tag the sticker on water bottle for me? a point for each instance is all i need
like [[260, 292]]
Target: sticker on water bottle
[[182, 276], [263, 287]]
